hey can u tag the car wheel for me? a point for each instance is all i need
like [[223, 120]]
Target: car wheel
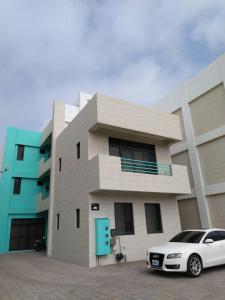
[[194, 265]]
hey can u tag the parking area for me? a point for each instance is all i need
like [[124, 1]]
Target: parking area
[[30, 275]]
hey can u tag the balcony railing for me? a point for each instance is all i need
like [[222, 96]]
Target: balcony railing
[[148, 167], [45, 194], [47, 155]]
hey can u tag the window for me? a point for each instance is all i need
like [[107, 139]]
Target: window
[[57, 221], [78, 218], [20, 152], [124, 221], [188, 237], [42, 151], [153, 218], [60, 164], [216, 236], [17, 186], [132, 150], [78, 150]]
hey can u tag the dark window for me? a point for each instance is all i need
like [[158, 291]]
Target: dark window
[[132, 150], [17, 185], [124, 221], [42, 151], [60, 164], [78, 150], [78, 218], [57, 221], [20, 152], [40, 183], [153, 218], [135, 157], [216, 236], [188, 237]]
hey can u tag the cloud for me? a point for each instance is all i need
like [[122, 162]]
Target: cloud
[[209, 28], [136, 50]]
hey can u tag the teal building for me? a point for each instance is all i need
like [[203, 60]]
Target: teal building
[[20, 225]]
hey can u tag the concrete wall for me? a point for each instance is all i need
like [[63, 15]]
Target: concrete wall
[[189, 215], [179, 114], [107, 169], [71, 191], [182, 158], [124, 116], [217, 210], [208, 110], [212, 158], [200, 104], [134, 246]]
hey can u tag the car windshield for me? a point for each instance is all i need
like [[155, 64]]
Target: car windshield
[[188, 237]]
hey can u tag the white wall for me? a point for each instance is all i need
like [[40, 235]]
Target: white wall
[[134, 246]]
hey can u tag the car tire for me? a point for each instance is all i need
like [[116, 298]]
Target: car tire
[[194, 265]]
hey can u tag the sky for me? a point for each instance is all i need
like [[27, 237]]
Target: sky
[[137, 50]]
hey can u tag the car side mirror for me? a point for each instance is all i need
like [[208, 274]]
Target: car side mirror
[[208, 241]]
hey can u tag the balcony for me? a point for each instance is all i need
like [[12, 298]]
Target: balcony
[[112, 114], [44, 166], [42, 201], [110, 173]]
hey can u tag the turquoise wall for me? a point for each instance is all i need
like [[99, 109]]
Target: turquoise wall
[[24, 204]]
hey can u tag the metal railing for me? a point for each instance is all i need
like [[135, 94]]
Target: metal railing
[[148, 167], [45, 194], [47, 156]]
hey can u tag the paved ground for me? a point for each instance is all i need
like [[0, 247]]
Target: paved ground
[[32, 276]]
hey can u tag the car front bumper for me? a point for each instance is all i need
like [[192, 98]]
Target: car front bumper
[[170, 265]]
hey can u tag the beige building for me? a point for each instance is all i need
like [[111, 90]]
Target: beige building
[[200, 105], [62, 115], [112, 165]]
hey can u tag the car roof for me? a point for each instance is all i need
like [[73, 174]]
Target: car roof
[[206, 230]]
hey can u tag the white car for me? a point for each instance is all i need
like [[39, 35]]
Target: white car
[[189, 251]]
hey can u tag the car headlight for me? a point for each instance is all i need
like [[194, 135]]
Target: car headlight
[[174, 255]]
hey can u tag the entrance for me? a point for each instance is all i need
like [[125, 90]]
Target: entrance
[[24, 232]]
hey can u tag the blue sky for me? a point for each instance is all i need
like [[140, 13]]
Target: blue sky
[[132, 49]]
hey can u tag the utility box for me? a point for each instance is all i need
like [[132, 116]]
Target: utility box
[[102, 233]]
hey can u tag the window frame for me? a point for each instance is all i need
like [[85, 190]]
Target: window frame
[[118, 232], [20, 152], [17, 189], [148, 217]]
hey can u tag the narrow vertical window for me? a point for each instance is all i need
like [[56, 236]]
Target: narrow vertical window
[[57, 221], [60, 164], [78, 218], [20, 152], [78, 150], [17, 186]]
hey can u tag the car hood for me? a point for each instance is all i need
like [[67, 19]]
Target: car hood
[[171, 247]]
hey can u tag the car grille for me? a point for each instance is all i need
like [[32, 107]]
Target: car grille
[[156, 256]]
